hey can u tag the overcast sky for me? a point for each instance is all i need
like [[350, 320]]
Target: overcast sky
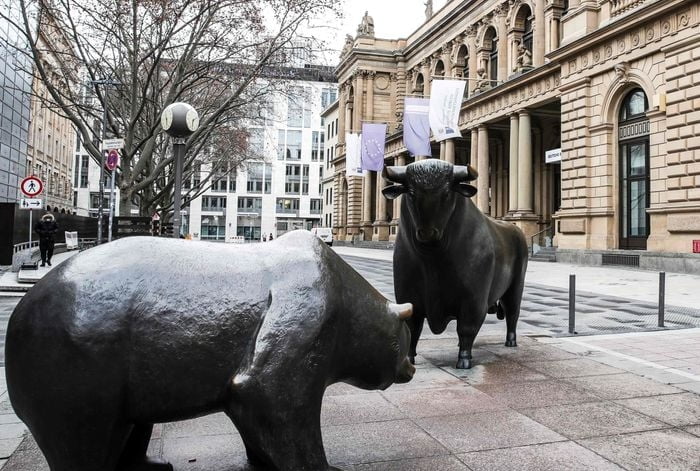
[[392, 18]]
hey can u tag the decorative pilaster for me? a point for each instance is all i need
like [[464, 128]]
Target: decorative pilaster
[[472, 63], [501, 12], [538, 40]]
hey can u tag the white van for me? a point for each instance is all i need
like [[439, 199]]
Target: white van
[[323, 233]]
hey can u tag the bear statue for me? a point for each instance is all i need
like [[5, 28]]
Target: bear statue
[[146, 330]]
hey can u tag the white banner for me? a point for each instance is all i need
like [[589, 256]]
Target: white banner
[[445, 102], [353, 155]]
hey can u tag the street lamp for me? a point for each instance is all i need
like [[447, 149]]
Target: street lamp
[[100, 204], [179, 120]]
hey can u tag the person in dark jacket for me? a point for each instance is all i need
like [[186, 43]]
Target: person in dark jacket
[[46, 228]]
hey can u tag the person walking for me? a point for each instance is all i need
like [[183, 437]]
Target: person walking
[[270, 238], [46, 228]]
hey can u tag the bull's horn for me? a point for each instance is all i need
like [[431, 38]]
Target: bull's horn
[[396, 173], [464, 173], [402, 311]]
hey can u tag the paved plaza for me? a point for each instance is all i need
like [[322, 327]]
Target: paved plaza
[[629, 400]]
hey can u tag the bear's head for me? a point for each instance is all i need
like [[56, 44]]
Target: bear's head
[[379, 347]]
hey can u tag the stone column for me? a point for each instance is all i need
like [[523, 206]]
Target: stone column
[[442, 150], [471, 46], [450, 151], [493, 181], [502, 31], [399, 161], [474, 152], [381, 226], [524, 163], [513, 165], [538, 39], [482, 194]]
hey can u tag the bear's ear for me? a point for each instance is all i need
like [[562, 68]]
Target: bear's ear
[[394, 191], [465, 189]]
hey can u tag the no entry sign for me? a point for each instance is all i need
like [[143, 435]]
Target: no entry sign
[[113, 159], [31, 186]]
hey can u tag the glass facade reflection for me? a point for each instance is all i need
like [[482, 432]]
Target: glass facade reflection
[[15, 89]]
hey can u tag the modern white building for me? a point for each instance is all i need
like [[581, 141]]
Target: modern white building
[[283, 191], [86, 184], [330, 117]]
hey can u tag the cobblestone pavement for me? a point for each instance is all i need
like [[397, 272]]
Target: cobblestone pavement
[[546, 308]]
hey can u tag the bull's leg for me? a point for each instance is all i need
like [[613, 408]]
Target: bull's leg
[[511, 305], [467, 328], [415, 324], [134, 458]]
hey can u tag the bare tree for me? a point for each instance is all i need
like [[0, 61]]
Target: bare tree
[[216, 55]]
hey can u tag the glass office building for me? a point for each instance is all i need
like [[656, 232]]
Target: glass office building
[[15, 89]]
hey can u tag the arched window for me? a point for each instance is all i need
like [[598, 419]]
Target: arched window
[[527, 34], [491, 45], [634, 105], [420, 85], [439, 69], [462, 65], [633, 137]]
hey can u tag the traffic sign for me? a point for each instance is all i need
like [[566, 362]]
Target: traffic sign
[[31, 203], [31, 186], [109, 144], [113, 159]]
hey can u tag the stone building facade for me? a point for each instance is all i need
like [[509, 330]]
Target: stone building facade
[[51, 135], [613, 84]]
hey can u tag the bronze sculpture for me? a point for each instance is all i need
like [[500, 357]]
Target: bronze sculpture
[[123, 336], [450, 260]]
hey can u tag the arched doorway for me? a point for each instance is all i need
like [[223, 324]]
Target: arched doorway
[[633, 141]]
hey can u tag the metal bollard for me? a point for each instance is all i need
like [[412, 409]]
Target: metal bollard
[[572, 304], [662, 297]]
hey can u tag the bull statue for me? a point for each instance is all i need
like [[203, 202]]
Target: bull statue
[[450, 260], [146, 330]]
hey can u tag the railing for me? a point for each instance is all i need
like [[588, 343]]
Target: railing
[[617, 7], [24, 246], [541, 239]]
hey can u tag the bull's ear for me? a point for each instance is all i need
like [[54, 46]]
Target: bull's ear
[[465, 189], [392, 192]]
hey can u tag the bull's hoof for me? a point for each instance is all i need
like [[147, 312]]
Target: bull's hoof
[[464, 361], [151, 464], [510, 340]]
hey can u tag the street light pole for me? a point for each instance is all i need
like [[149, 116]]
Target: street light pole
[[179, 120], [100, 204], [179, 151]]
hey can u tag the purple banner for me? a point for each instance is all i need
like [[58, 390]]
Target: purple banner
[[373, 140]]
